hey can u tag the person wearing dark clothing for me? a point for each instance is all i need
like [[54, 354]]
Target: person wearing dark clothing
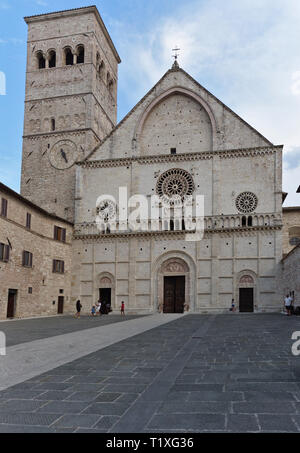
[[78, 308]]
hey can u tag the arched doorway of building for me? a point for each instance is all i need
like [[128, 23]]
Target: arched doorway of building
[[174, 283], [246, 294], [106, 289]]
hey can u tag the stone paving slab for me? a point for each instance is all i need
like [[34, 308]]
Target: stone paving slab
[[20, 331], [27, 360], [175, 378]]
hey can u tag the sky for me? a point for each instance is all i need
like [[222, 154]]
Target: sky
[[246, 52]]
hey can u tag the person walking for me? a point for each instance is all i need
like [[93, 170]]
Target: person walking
[[287, 304], [93, 312], [123, 308], [78, 308], [98, 309]]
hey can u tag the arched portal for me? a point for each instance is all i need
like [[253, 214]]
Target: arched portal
[[246, 291], [173, 283], [106, 289]]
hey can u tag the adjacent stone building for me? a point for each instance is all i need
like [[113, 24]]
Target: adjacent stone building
[[291, 229], [35, 259], [178, 140]]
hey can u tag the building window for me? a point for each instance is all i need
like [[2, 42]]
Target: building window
[[250, 221], [28, 220], [27, 259], [52, 59], [41, 61], [80, 54], [69, 57], [52, 124], [4, 207], [30, 290], [59, 234], [58, 267], [244, 221], [61, 291], [4, 252], [173, 151]]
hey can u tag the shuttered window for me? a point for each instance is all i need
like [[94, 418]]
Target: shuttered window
[[27, 259], [4, 207], [58, 267], [59, 234], [4, 252]]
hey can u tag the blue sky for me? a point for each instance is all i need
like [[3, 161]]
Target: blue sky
[[245, 52]]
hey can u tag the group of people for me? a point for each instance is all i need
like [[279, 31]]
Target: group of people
[[101, 308]]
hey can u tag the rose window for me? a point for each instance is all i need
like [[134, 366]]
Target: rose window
[[107, 210], [246, 202], [175, 183]]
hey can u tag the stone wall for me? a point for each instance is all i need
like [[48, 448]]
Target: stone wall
[[291, 275], [39, 240], [291, 227]]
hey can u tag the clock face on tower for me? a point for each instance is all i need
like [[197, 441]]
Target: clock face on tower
[[63, 154]]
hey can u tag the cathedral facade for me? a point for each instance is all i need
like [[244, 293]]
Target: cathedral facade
[[178, 140]]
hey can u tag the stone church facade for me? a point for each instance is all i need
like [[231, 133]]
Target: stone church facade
[[178, 140]]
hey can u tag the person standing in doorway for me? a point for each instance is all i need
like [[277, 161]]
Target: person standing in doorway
[[78, 308], [122, 308]]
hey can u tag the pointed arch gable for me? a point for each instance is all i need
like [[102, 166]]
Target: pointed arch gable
[[166, 94]]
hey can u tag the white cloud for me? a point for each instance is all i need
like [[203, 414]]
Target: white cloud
[[4, 5], [246, 53]]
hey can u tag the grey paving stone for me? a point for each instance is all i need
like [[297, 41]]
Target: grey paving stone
[[90, 379], [27, 418], [18, 429], [107, 422], [127, 398], [63, 407], [197, 422], [216, 396], [107, 397], [264, 407], [20, 406], [125, 388], [277, 423], [106, 408], [53, 395], [197, 387], [264, 387], [269, 396], [53, 386], [194, 407], [21, 394], [85, 387], [178, 396], [77, 421], [241, 423], [82, 396]]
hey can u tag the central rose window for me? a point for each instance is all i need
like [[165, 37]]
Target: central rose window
[[175, 182]]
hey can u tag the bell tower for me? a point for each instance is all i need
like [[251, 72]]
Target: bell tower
[[70, 102]]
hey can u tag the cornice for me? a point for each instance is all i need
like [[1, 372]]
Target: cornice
[[172, 234], [205, 155]]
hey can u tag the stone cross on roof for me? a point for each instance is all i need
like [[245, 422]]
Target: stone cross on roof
[[175, 64]]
